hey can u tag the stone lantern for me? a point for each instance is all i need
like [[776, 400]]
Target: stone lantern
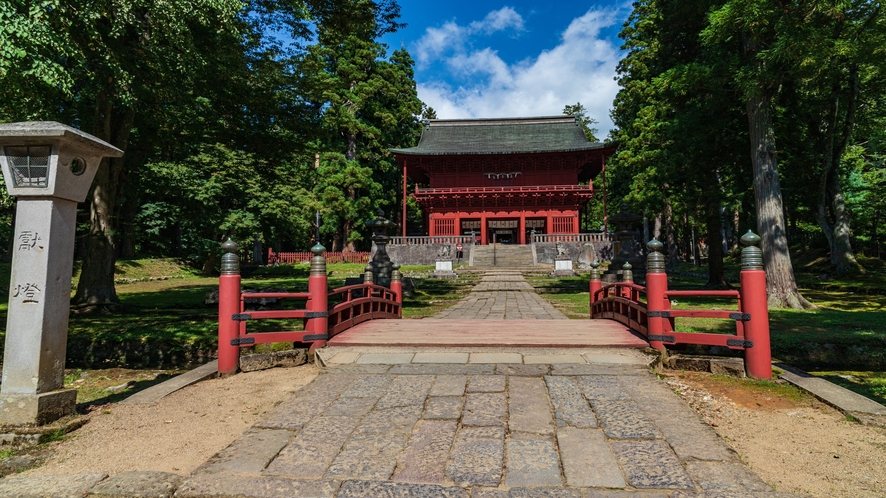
[[627, 252], [49, 168], [381, 262]]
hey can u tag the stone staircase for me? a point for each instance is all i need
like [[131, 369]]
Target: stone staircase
[[503, 256]]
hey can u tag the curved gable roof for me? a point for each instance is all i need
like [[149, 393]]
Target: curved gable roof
[[501, 136]]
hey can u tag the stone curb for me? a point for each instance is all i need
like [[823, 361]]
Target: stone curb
[[154, 393], [839, 397]]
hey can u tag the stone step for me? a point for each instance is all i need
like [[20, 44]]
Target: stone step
[[498, 255]]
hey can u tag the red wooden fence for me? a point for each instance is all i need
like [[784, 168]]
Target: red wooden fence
[[305, 257]]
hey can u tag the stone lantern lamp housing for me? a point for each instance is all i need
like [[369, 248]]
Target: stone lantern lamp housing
[[49, 168]]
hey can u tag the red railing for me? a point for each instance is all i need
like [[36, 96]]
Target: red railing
[[359, 303], [352, 305], [647, 311], [305, 257]]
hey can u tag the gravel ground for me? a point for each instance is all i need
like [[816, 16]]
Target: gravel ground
[[177, 433], [800, 446]]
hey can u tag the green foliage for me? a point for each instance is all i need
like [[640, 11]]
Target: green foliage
[[223, 124], [581, 114], [365, 105]]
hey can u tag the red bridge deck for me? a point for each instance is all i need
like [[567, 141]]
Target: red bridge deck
[[520, 333]]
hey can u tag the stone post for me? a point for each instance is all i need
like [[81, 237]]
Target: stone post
[[758, 352], [368, 276], [49, 168], [656, 287], [228, 306], [626, 234]]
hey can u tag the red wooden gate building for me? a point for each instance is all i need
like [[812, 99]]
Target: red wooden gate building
[[502, 179]]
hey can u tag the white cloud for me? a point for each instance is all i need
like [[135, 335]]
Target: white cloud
[[580, 69], [450, 37], [498, 20]]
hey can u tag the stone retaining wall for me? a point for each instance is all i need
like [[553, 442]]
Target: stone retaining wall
[[422, 254], [581, 253]]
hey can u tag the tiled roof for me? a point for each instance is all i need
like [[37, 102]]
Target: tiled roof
[[501, 136]]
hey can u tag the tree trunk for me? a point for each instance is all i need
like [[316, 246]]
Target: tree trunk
[[831, 200], [671, 235], [96, 285], [780, 283], [736, 229], [714, 229], [716, 277]]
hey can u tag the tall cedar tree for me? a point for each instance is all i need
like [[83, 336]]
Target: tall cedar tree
[[366, 105]]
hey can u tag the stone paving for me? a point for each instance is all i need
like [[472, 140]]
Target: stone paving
[[479, 430], [502, 296]]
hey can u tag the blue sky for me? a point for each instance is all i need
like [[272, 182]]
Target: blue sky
[[514, 58]]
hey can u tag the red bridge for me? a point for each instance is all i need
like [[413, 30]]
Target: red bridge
[[645, 313]]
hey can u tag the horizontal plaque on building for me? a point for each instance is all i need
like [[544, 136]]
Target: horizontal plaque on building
[[504, 223]]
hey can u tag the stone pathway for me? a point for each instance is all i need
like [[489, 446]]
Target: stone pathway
[[491, 430], [502, 296]]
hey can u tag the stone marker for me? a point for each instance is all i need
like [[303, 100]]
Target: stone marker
[[49, 168]]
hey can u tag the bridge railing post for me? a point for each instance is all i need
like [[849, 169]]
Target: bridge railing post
[[595, 284], [397, 287], [368, 276], [627, 276], [319, 301], [656, 287], [228, 306], [754, 301]]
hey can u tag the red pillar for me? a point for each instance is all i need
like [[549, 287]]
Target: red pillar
[[228, 305], [319, 302], [404, 199], [397, 287], [594, 285], [431, 232], [521, 227], [605, 215], [656, 287], [754, 301], [483, 229]]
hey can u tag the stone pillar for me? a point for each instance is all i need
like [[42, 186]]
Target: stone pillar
[[49, 168], [39, 298]]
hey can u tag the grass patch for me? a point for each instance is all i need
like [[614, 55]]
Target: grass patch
[[433, 295], [56, 435], [765, 387], [568, 294]]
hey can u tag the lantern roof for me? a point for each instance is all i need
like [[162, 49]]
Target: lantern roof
[[32, 132]]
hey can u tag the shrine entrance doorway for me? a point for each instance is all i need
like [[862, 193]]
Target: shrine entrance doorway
[[503, 231]]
